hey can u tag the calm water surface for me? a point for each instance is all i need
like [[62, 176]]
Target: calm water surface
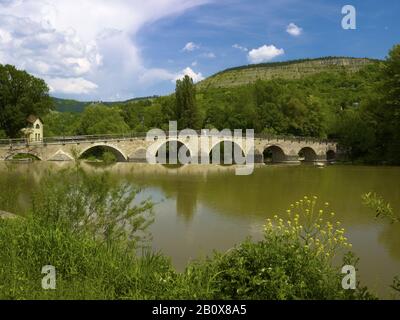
[[202, 208]]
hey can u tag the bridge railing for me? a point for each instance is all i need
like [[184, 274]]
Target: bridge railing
[[293, 138], [108, 137], [13, 141]]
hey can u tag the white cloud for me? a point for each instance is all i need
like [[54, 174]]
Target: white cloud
[[189, 72], [190, 46], [194, 63], [5, 36], [71, 85], [90, 44], [294, 30], [264, 54], [209, 55], [156, 75], [239, 47]]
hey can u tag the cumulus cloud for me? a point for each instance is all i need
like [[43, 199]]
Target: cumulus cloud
[[239, 47], [264, 54], [156, 75], [82, 46], [189, 72], [71, 85], [294, 30], [190, 46]]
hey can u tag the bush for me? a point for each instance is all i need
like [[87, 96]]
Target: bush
[[294, 261]]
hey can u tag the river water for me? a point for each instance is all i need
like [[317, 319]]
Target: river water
[[204, 208]]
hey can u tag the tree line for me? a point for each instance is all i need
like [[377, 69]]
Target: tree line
[[360, 110]]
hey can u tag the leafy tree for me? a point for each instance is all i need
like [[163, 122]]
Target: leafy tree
[[186, 108], [99, 119], [61, 124], [391, 103], [21, 94]]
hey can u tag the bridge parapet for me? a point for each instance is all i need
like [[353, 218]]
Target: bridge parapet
[[132, 147]]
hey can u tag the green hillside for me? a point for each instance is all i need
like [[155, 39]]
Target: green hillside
[[68, 105], [286, 70], [243, 75]]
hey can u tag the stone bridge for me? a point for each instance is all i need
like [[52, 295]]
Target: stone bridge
[[130, 148]]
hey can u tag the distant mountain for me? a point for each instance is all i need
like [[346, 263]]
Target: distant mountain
[[294, 69], [68, 105]]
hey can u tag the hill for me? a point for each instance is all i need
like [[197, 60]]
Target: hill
[[294, 69], [68, 105], [233, 77]]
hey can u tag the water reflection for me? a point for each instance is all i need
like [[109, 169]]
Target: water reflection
[[201, 208]]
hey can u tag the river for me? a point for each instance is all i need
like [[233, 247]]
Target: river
[[202, 208]]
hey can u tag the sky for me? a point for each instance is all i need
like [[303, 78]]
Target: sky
[[102, 50]]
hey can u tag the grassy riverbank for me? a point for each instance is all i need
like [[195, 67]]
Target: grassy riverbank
[[87, 269], [87, 228]]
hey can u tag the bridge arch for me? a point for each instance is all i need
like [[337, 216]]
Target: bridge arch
[[12, 156], [177, 147], [274, 154], [331, 155], [308, 154], [119, 154], [225, 158]]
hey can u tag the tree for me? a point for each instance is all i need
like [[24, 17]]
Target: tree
[[100, 119], [61, 124], [21, 94], [391, 103], [186, 108]]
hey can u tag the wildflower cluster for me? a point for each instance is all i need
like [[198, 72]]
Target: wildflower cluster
[[314, 228]]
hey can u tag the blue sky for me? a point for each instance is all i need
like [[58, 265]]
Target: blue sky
[[116, 50]]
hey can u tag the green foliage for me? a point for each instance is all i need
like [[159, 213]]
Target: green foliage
[[99, 119], [85, 268], [61, 124], [356, 135], [20, 96], [384, 210], [83, 203], [186, 108], [396, 284], [380, 206], [24, 156], [109, 157], [294, 261]]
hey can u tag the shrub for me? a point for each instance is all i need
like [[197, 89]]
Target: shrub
[[293, 261]]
